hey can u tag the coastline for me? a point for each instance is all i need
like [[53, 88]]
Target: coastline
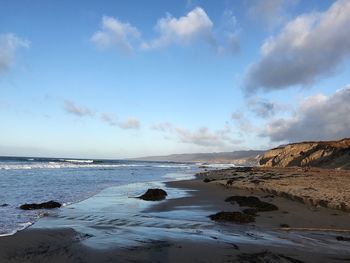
[[206, 241], [315, 187], [23, 182]]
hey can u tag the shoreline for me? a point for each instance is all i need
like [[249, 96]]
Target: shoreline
[[315, 187], [42, 213], [205, 240]]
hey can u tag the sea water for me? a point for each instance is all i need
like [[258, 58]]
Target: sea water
[[68, 181]]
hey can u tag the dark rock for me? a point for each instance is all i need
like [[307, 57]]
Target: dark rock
[[4, 205], [250, 211], [341, 238], [154, 195], [255, 181], [264, 257], [235, 217], [230, 182], [47, 205], [243, 169], [284, 225], [207, 180], [253, 202]]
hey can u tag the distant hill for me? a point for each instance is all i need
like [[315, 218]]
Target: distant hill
[[250, 157], [324, 154]]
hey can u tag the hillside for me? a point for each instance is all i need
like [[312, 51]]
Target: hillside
[[324, 154], [250, 157]]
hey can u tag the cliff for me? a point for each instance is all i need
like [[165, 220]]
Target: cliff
[[323, 154]]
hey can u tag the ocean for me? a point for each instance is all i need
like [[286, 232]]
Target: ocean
[[68, 181]]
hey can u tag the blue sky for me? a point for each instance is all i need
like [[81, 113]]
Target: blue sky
[[115, 79]]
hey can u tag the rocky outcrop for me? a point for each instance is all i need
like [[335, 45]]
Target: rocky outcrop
[[315, 186], [324, 154], [252, 202], [46, 205], [234, 217], [154, 195]]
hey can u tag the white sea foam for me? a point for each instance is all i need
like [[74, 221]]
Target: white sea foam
[[178, 176], [78, 161], [21, 226], [218, 165], [73, 164], [172, 166]]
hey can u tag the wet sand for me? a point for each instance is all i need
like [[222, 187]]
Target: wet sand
[[261, 241], [62, 245]]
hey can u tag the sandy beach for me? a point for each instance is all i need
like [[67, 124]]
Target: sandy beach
[[296, 232]]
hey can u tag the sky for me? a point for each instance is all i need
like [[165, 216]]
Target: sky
[[120, 79]]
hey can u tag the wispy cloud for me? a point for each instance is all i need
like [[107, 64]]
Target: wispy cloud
[[163, 126], [9, 44], [130, 123], [310, 47], [243, 124], [263, 108], [318, 117], [109, 118], [117, 34], [270, 13], [203, 136], [77, 110]]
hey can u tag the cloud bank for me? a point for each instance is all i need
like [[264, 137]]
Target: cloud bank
[[310, 47], [318, 118], [9, 44]]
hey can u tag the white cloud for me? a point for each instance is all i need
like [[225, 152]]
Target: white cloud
[[109, 118], [184, 30], [130, 123], [203, 136], [9, 44], [318, 118], [310, 47], [115, 33], [191, 28], [77, 110]]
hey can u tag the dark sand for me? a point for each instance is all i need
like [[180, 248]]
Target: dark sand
[[65, 245]]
